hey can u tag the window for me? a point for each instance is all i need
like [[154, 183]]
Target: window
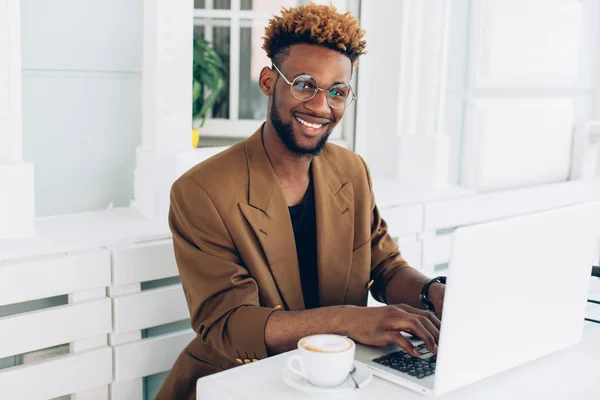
[[235, 29]]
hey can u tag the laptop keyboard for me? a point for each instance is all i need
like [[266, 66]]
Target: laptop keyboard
[[419, 367]]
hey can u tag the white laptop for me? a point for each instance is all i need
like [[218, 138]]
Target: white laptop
[[516, 291]]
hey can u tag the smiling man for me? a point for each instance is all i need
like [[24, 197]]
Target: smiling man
[[279, 236]]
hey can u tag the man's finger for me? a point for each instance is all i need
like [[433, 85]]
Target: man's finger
[[414, 326], [399, 340], [429, 315], [430, 326]]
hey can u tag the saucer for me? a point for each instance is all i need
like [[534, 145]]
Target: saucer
[[362, 375]]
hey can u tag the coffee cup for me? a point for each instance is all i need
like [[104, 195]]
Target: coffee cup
[[323, 360]]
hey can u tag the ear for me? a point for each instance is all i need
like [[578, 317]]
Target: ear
[[266, 81]]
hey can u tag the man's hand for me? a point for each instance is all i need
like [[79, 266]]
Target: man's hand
[[436, 295], [379, 326]]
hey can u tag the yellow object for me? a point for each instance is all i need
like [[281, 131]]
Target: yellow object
[[195, 137]]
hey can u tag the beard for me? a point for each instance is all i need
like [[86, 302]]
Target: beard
[[286, 134]]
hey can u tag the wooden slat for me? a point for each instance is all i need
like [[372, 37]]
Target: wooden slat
[[58, 376], [149, 308], [143, 262], [403, 220], [53, 326], [592, 311], [42, 277], [594, 293], [149, 356], [490, 206], [436, 250]]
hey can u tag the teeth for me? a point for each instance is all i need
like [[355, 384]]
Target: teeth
[[308, 124]]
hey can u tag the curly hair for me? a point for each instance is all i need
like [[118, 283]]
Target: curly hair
[[314, 24]]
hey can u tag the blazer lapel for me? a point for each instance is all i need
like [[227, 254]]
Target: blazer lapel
[[335, 231], [268, 214]]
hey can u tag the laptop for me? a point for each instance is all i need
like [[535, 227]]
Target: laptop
[[516, 291]]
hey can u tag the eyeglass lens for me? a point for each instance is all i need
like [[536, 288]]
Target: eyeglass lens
[[305, 87]]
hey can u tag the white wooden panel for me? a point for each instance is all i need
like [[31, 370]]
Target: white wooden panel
[[58, 376], [130, 336], [525, 42], [594, 293], [490, 206], [436, 250], [70, 232], [149, 308], [127, 390], [97, 393], [149, 356], [410, 249], [49, 327], [391, 193], [403, 220], [143, 262], [592, 311], [592, 326], [40, 277], [513, 142], [74, 35]]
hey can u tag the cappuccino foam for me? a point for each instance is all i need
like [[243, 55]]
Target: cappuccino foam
[[326, 343]]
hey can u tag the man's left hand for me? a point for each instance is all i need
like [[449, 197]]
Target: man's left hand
[[436, 295]]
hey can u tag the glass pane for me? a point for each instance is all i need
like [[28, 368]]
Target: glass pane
[[216, 32], [221, 42], [212, 4], [252, 103], [221, 4], [270, 6]]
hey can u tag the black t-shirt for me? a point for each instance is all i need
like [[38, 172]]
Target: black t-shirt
[[304, 222]]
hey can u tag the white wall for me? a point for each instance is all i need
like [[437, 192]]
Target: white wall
[[81, 101], [520, 81]]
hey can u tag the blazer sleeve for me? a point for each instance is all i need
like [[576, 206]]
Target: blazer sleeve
[[386, 259], [221, 295]]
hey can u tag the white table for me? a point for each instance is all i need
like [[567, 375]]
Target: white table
[[572, 373]]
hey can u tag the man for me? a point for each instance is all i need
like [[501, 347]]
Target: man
[[279, 236]]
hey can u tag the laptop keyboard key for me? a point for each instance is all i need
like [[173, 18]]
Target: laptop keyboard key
[[414, 366]]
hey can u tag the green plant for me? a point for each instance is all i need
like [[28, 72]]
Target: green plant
[[209, 78]]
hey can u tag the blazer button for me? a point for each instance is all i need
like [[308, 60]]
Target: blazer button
[[277, 307], [239, 361], [369, 284], [246, 361]]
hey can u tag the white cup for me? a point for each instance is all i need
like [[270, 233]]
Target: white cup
[[323, 360]]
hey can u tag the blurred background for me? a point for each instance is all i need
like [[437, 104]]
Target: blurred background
[[467, 111], [499, 90]]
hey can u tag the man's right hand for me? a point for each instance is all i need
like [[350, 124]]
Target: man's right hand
[[380, 326]]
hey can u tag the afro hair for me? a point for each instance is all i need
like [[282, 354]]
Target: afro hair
[[314, 24]]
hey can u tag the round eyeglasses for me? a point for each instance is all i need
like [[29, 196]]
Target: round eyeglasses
[[305, 87]]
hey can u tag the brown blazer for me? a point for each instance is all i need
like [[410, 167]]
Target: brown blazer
[[236, 253]]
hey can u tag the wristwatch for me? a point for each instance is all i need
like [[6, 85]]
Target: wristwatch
[[425, 292]]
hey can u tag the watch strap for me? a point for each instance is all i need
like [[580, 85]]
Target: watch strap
[[425, 292]]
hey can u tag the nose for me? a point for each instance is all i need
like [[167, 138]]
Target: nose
[[318, 104]]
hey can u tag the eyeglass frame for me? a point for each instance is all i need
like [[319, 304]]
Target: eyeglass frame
[[316, 91]]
